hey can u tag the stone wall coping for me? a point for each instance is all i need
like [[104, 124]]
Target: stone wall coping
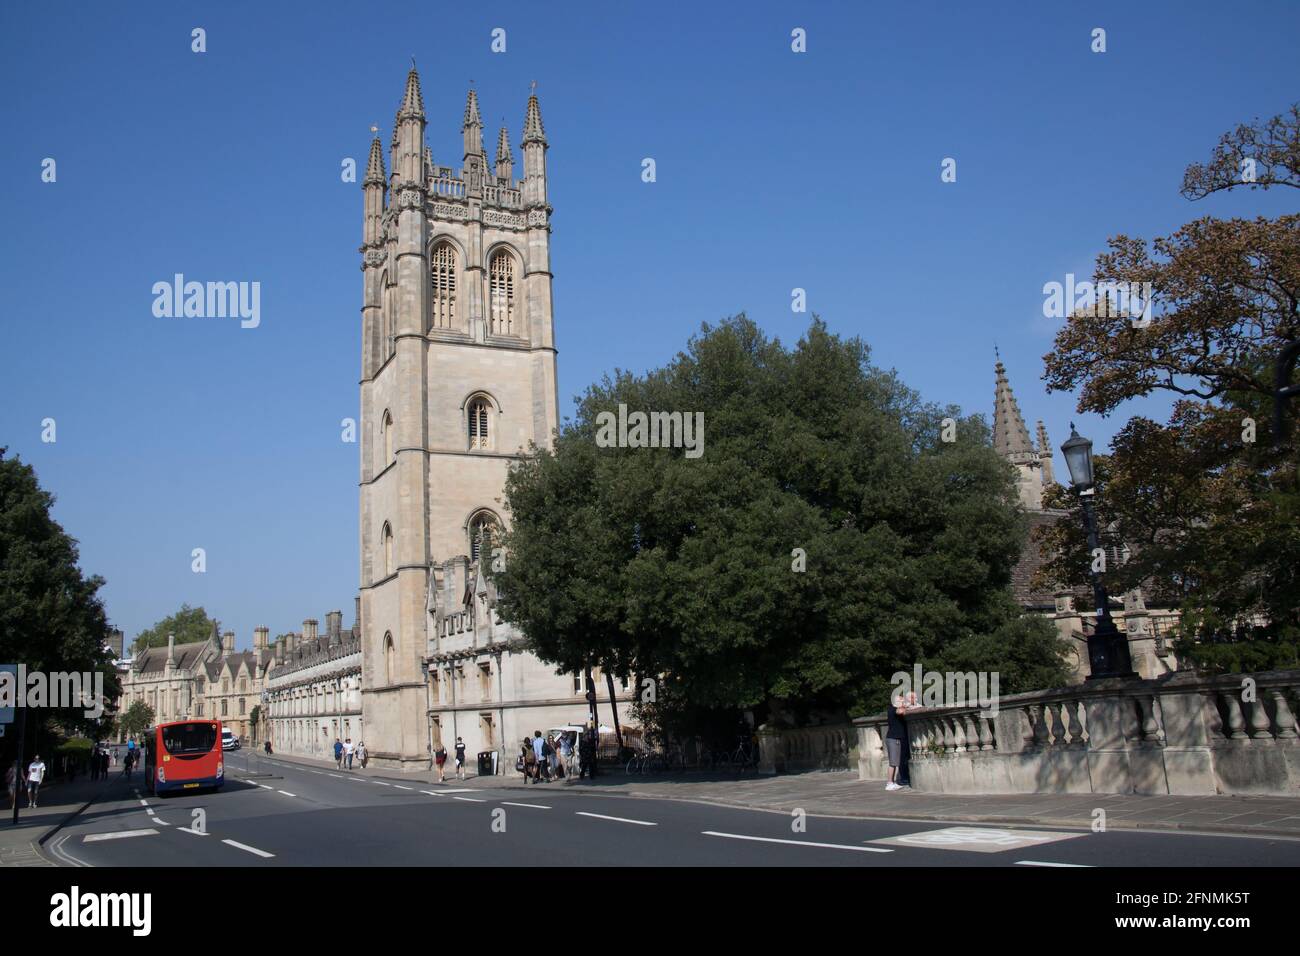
[[1179, 682]]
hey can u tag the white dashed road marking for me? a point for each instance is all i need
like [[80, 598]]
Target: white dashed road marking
[[287, 793], [248, 849], [826, 846], [535, 806], [469, 799], [119, 835], [601, 816]]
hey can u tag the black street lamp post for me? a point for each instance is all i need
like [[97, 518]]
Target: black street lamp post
[[1108, 653]]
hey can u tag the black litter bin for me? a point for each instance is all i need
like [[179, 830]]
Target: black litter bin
[[485, 768]]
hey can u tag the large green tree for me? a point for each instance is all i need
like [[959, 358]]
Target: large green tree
[[648, 562], [1208, 501], [189, 624], [51, 615]]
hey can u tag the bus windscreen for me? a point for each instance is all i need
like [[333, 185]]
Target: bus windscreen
[[181, 739]]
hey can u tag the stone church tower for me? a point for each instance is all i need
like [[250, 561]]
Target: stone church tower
[[458, 376]]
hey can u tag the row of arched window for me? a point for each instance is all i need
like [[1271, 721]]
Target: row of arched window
[[445, 311], [483, 527], [478, 430]]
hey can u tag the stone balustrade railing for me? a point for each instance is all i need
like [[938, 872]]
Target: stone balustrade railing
[[1180, 734], [829, 747]]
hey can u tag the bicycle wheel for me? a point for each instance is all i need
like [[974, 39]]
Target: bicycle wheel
[[634, 765]]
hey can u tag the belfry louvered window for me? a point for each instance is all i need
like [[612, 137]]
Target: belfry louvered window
[[481, 532], [443, 266], [502, 289], [478, 423]]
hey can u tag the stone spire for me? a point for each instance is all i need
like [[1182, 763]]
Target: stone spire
[[375, 168], [505, 162], [534, 149], [412, 101], [533, 130], [1045, 455], [1010, 436], [472, 128], [1011, 441]]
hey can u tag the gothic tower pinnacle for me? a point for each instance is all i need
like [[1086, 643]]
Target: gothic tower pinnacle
[[1011, 441]]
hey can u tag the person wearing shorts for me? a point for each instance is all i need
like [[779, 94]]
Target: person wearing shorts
[[440, 758], [895, 738], [460, 759]]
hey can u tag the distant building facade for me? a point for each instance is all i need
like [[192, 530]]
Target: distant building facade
[[313, 693], [200, 679]]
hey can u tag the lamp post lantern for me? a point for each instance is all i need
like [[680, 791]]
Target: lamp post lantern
[[1108, 652]]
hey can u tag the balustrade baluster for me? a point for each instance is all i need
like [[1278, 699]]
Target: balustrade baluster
[[1286, 729], [1236, 723]]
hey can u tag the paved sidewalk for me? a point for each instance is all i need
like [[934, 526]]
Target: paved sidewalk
[[843, 794], [56, 803]]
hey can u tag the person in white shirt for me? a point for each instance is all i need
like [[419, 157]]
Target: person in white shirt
[[348, 750], [35, 776]]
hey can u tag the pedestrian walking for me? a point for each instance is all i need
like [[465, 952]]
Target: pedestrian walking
[[529, 759], [266, 745], [440, 760], [539, 751], [94, 763], [566, 754], [348, 752], [460, 759], [338, 753], [105, 760], [11, 784], [35, 777], [362, 754]]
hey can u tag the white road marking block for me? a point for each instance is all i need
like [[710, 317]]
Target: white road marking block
[[824, 846], [469, 799], [248, 849], [400, 787], [979, 839], [1041, 863], [188, 830], [535, 806], [287, 793], [119, 835], [601, 816]]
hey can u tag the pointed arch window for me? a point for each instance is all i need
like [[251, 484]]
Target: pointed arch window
[[479, 419], [442, 266], [386, 426], [483, 530], [390, 656], [387, 538], [501, 288]]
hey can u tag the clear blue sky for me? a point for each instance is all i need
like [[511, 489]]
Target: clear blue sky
[[775, 170]]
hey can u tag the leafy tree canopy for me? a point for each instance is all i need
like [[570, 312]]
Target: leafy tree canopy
[[51, 615], [1208, 501], [644, 561], [189, 624]]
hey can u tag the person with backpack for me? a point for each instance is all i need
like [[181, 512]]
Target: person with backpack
[[440, 760]]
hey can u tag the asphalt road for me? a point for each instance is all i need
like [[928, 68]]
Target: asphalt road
[[292, 815]]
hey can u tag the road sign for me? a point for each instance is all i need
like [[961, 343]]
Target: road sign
[[7, 713]]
